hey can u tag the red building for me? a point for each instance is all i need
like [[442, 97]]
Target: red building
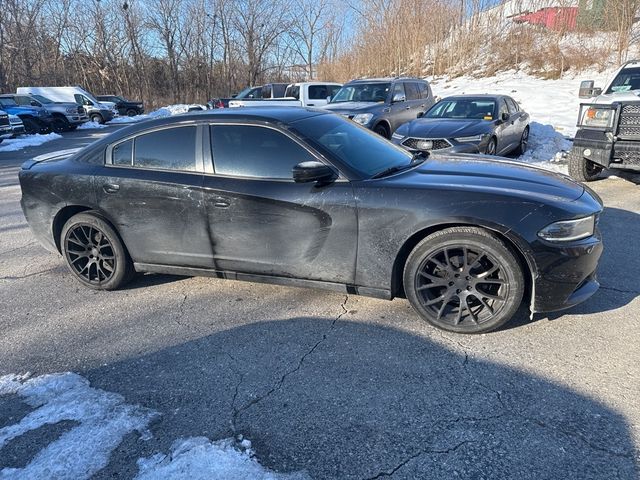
[[553, 18]]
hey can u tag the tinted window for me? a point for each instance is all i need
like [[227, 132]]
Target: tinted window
[[10, 102], [20, 100], [318, 92], [503, 108], [251, 151], [398, 89], [363, 92], [627, 80], [364, 151], [293, 91], [412, 91], [424, 90], [170, 149], [512, 106], [121, 153], [333, 89]]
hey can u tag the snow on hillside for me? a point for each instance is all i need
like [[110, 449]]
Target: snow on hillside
[[552, 104]]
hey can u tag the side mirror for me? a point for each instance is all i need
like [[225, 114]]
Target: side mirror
[[313, 171], [35, 104], [420, 114], [504, 116], [328, 98], [398, 97], [587, 90]]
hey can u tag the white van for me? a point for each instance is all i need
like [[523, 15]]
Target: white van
[[100, 112]]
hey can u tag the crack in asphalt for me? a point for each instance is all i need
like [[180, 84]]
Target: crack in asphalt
[[20, 277], [425, 451], [177, 318], [237, 411], [18, 248]]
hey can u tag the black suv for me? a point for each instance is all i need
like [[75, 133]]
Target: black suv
[[383, 104], [124, 107]]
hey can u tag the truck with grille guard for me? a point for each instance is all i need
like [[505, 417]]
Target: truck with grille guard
[[609, 126]]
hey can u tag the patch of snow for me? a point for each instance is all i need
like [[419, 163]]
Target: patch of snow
[[91, 125], [103, 420], [198, 458], [167, 111], [14, 144]]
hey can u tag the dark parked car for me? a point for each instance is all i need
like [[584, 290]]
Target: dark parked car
[[303, 197], [124, 107], [382, 104], [35, 119], [490, 124], [6, 130]]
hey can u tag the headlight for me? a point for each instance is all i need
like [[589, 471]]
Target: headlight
[[397, 136], [594, 116], [473, 138], [568, 230], [363, 118], [71, 110]]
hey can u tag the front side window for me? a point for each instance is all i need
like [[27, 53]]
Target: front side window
[[318, 92], [512, 106], [398, 89], [256, 152], [626, 81], [8, 102], [167, 149], [503, 108]]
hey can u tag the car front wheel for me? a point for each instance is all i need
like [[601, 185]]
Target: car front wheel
[[492, 146], [464, 279], [94, 252], [582, 169]]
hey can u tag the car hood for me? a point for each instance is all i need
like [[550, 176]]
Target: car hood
[[17, 110], [447, 127], [352, 107], [491, 174], [630, 96]]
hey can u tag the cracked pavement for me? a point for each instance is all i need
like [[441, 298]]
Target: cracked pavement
[[336, 386]]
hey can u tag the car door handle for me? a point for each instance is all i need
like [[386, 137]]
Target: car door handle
[[110, 188], [311, 105], [221, 202]]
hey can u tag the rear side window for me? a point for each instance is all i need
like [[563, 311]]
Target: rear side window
[[256, 152], [168, 149], [412, 91], [318, 92], [424, 89], [293, 91], [122, 153]]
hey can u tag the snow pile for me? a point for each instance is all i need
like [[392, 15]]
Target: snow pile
[[198, 458], [91, 125], [101, 421], [167, 111], [552, 105], [14, 144]]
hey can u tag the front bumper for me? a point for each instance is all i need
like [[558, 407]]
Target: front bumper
[[566, 274], [450, 146], [77, 119], [603, 149]]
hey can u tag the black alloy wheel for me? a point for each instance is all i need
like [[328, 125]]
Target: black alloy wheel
[[94, 253], [491, 146], [464, 279], [381, 130]]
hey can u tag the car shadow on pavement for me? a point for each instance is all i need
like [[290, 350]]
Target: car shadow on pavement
[[345, 399]]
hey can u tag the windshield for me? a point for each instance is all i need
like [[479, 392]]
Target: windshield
[[363, 92], [6, 101], [364, 151], [479, 108], [41, 99], [627, 80], [255, 91]]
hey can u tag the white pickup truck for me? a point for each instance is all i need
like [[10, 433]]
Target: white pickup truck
[[306, 94]]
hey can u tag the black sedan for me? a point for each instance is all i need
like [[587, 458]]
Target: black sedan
[[305, 197], [490, 124]]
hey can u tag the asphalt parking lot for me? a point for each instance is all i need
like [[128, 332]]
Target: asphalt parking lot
[[328, 385]]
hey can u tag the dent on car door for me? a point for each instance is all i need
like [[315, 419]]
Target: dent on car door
[[262, 222], [151, 189]]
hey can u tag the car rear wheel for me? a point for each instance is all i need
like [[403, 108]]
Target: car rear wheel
[[131, 112], [524, 142], [94, 252], [491, 147], [381, 130], [464, 279], [582, 169]]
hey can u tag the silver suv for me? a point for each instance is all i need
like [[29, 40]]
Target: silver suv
[[383, 104]]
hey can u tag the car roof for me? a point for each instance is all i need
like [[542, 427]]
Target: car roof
[[386, 80], [488, 96]]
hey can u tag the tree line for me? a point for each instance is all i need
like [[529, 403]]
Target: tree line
[[169, 51]]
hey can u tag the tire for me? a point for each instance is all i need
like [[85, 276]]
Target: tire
[[382, 130], [491, 147], [524, 142], [583, 170], [94, 252], [60, 124], [31, 126], [464, 280], [96, 117], [131, 112]]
